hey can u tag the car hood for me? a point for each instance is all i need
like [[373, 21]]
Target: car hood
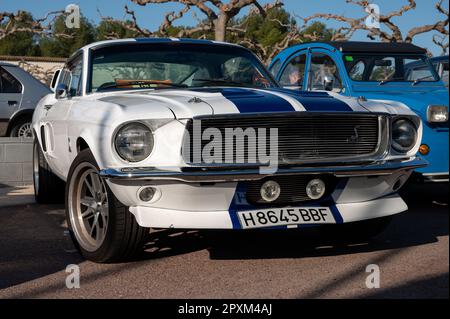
[[418, 101], [189, 103]]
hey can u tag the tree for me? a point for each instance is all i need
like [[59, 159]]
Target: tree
[[111, 29], [72, 41], [268, 35], [21, 42], [218, 14], [389, 31]]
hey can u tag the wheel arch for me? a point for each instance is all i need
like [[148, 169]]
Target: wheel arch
[[20, 115]]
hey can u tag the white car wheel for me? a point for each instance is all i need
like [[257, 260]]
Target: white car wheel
[[102, 228]]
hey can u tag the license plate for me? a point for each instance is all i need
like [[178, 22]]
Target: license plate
[[285, 216]]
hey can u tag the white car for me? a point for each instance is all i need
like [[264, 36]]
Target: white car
[[190, 134]]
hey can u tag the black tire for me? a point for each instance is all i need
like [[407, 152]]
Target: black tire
[[17, 126], [48, 188], [357, 231], [123, 239]]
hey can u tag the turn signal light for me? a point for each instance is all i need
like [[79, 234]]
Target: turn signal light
[[424, 149]]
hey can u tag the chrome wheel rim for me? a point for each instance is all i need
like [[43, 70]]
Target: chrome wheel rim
[[88, 207], [25, 130]]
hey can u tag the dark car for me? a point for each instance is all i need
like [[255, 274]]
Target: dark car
[[19, 94]]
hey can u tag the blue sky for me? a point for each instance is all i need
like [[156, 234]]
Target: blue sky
[[151, 16]]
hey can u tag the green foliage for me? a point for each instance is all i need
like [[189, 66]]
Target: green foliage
[[20, 43], [62, 46], [110, 28], [267, 31]]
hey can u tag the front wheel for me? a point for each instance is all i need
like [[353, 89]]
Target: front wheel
[[101, 227]]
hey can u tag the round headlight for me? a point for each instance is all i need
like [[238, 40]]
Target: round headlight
[[134, 142], [404, 135]]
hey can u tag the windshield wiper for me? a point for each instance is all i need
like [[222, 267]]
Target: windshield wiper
[[417, 81], [139, 84], [221, 81], [390, 80]]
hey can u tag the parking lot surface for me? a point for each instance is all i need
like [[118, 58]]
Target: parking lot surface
[[412, 255]]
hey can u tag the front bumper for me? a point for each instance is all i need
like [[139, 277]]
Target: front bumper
[[233, 174], [211, 198], [225, 219]]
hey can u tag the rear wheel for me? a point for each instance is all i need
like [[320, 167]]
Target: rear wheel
[[48, 188], [101, 227], [22, 129]]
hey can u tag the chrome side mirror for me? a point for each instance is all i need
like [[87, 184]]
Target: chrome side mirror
[[61, 91], [328, 83]]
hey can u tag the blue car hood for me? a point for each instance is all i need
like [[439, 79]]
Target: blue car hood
[[417, 100]]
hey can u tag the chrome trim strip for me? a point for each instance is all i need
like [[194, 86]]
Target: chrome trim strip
[[436, 177], [199, 175]]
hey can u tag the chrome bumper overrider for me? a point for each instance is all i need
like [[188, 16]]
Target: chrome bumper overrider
[[222, 174]]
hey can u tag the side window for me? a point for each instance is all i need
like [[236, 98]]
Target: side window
[[324, 73], [294, 73], [8, 83], [275, 68], [357, 71], [444, 75], [55, 77], [75, 82], [72, 77]]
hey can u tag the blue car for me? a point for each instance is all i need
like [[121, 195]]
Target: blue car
[[376, 71]]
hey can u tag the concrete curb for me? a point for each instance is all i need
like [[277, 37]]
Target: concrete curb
[[16, 156]]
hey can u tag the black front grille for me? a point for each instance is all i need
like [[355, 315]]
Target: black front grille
[[293, 189], [304, 138]]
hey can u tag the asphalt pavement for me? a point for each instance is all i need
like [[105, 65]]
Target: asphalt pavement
[[412, 256]]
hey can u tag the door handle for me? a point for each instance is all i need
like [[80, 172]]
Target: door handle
[[12, 103]]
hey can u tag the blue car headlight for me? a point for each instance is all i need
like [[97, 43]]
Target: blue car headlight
[[404, 135], [437, 114]]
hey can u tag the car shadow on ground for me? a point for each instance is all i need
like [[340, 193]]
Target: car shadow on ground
[[427, 219], [33, 244]]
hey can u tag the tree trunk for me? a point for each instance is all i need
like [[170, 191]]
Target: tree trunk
[[220, 27]]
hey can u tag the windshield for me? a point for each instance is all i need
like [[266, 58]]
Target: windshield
[[388, 68], [175, 65]]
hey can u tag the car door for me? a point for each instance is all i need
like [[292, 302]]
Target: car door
[[324, 73], [293, 74], [10, 97], [56, 118]]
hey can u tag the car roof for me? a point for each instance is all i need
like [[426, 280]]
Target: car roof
[[377, 47], [7, 64], [106, 43], [440, 58], [355, 47]]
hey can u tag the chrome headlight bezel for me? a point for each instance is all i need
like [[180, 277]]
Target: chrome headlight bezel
[[395, 143], [127, 157], [432, 110]]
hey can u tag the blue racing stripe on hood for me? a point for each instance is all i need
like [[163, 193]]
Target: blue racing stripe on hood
[[248, 101], [317, 101]]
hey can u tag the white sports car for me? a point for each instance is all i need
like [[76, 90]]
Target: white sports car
[[190, 134]]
